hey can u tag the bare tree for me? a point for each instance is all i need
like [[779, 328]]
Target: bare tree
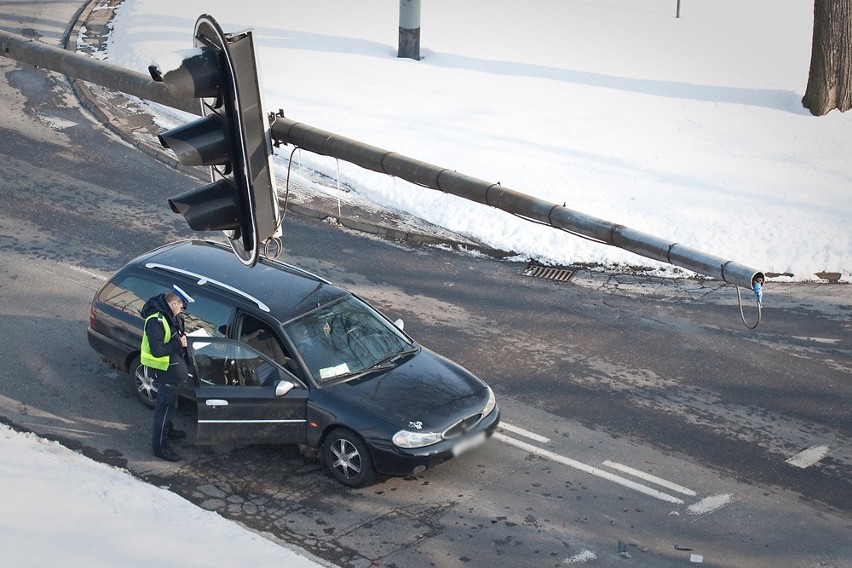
[[830, 78]]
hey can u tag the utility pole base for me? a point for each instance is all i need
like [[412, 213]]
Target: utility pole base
[[409, 44]]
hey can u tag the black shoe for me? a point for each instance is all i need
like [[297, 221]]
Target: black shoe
[[167, 454], [176, 434]]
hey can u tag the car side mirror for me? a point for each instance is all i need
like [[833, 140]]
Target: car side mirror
[[400, 324], [283, 387]]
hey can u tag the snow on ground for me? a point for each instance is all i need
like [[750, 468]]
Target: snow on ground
[[62, 509]]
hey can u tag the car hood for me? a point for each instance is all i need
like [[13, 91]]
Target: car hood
[[425, 389]]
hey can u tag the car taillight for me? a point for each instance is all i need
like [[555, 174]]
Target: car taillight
[[92, 316]]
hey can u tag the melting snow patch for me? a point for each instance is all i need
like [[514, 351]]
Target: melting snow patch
[[56, 122], [818, 339], [584, 556]]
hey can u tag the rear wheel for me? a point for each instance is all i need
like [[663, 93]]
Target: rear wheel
[[143, 383], [348, 458]]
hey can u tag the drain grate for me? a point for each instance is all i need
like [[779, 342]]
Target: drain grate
[[557, 273]]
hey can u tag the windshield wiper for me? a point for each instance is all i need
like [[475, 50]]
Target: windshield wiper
[[405, 353], [381, 365]]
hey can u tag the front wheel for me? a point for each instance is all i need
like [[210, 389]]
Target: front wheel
[[143, 383], [348, 458]]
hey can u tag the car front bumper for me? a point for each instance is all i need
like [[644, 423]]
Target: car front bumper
[[391, 460]]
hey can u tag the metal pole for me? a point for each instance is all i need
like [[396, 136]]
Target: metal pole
[[558, 216], [409, 29], [90, 70]]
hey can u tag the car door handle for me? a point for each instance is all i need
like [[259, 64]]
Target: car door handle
[[216, 402]]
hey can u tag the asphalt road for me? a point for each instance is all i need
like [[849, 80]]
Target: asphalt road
[[641, 414]]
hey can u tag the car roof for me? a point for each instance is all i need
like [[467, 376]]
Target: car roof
[[280, 289]]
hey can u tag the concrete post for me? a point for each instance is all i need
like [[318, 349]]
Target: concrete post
[[409, 29]]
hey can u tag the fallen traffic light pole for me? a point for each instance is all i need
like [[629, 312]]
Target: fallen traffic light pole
[[495, 195], [287, 131]]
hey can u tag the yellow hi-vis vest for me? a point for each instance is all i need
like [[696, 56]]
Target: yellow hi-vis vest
[[145, 357]]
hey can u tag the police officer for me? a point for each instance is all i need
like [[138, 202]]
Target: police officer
[[163, 352]]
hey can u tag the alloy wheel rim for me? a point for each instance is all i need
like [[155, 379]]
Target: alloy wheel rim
[[145, 384], [347, 458]]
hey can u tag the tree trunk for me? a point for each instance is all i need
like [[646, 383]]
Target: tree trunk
[[830, 78]]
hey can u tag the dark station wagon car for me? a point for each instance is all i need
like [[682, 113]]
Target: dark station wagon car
[[279, 355]]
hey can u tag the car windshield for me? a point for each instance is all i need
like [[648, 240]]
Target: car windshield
[[346, 339]]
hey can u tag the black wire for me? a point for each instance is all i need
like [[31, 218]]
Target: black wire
[[287, 185]]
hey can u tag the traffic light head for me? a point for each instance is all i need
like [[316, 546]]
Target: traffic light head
[[232, 138]]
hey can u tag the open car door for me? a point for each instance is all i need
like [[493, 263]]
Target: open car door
[[243, 396]]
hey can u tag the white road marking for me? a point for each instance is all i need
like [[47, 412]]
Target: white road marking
[[809, 457], [524, 433], [588, 469], [709, 504], [650, 478]]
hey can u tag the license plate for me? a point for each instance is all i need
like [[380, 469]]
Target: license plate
[[468, 443]]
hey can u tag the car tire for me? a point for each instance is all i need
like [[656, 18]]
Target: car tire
[[348, 459], [143, 383]]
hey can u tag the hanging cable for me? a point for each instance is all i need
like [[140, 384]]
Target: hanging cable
[[268, 250], [339, 214], [758, 296], [276, 242], [287, 183]]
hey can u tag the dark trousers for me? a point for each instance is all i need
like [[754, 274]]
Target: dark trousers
[[166, 403], [164, 409]]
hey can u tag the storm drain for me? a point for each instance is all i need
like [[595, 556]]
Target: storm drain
[[557, 273]]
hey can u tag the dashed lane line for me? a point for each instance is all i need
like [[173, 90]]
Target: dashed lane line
[[630, 484], [525, 433], [710, 504], [809, 457], [650, 478]]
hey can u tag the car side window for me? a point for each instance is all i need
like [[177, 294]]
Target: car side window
[[130, 293], [259, 336], [204, 316], [207, 316], [228, 363]]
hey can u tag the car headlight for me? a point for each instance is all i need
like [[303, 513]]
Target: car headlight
[[492, 402], [406, 439]]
